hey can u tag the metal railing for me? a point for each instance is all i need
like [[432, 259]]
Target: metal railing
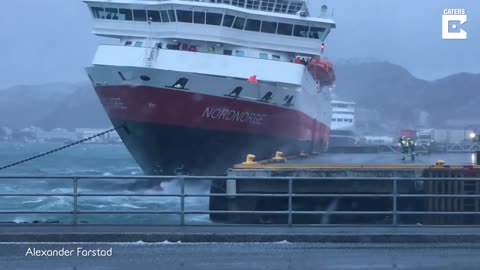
[[390, 201], [464, 147]]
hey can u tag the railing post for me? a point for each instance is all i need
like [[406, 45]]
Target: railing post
[[182, 201], [290, 185], [395, 218], [75, 200]]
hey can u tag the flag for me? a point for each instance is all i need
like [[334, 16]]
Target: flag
[[252, 79]]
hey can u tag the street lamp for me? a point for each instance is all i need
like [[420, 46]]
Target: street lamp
[[473, 136]]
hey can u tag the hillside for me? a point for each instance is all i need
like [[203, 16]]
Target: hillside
[[80, 109], [392, 98], [25, 105]]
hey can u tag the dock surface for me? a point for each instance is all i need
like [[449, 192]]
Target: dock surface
[[383, 159]]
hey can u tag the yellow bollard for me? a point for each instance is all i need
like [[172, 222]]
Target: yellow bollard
[[250, 159], [279, 157], [440, 163]]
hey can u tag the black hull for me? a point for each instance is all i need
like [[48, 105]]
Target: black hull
[[164, 150]]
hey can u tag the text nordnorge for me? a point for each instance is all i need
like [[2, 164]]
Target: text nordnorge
[[78, 252], [233, 115]]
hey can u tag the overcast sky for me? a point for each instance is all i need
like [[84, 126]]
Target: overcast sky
[[50, 40]]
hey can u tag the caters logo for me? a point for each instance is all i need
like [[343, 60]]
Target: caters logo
[[452, 24], [233, 115]]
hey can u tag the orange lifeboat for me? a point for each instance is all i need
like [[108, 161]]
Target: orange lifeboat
[[322, 70]]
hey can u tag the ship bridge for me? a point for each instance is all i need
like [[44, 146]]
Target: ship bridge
[[278, 6], [270, 29]]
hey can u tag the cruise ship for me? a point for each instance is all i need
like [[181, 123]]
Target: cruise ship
[[343, 124], [193, 86]]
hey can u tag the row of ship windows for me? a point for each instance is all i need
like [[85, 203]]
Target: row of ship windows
[[265, 5], [225, 52], [200, 17], [342, 120]]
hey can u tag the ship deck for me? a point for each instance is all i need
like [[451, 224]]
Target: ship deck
[[365, 161]]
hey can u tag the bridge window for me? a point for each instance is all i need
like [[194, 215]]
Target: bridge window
[[264, 5], [214, 18], [275, 57], [269, 27], [285, 29], [253, 25], [239, 23], [111, 13], [253, 4], [154, 15], [300, 31], [98, 13], [271, 4], [239, 53], [138, 44], [171, 13], [139, 15], [240, 3], [228, 20], [199, 17], [294, 7], [164, 16], [227, 52], [263, 55], [125, 14], [316, 32], [267, 5], [184, 16], [128, 43], [281, 6]]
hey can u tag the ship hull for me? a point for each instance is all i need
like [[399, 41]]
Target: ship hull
[[167, 149], [198, 128], [166, 130]]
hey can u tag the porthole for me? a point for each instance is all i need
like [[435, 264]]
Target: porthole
[[145, 78]]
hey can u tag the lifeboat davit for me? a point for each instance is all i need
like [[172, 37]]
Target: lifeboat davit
[[322, 70]]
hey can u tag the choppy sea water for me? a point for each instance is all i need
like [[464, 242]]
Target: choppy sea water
[[90, 159]]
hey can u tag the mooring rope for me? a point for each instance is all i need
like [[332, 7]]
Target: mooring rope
[[59, 149]]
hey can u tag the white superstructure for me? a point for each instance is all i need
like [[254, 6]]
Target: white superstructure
[[343, 115]]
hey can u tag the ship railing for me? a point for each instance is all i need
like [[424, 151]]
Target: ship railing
[[148, 50], [276, 6], [289, 201]]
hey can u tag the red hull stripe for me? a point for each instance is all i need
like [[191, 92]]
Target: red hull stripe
[[182, 108]]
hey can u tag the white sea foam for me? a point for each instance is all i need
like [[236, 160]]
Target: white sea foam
[[282, 242], [34, 201]]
